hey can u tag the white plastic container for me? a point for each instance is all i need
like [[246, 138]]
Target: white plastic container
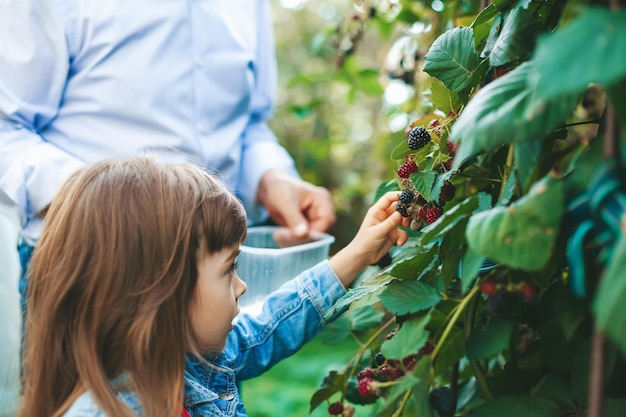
[[265, 267]]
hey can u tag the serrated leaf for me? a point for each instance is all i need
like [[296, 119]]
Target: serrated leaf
[[415, 264], [507, 111], [352, 295], [490, 341], [518, 406], [482, 24], [408, 339], [516, 39], [452, 58], [334, 382], [442, 98], [593, 47], [409, 297], [384, 188], [423, 182], [608, 304], [451, 217], [523, 234]]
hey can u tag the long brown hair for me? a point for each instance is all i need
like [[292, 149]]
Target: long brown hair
[[111, 281]]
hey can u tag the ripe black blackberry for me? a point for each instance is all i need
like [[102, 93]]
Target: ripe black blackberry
[[379, 359], [385, 261], [501, 303], [443, 401], [447, 192], [406, 196], [418, 138], [402, 209]]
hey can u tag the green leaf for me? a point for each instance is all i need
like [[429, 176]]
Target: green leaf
[[334, 382], [415, 264], [592, 46], [442, 98], [523, 234], [507, 111], [452, 58], [490, 341], [470, 267], [608, 304], [526, 158], [384, 188], [451, 351], [409, 297], [516, 39], [451, 217], [352, 295], [554, 388], [423, 182], [408, 339], [482, 24], [518, 406]]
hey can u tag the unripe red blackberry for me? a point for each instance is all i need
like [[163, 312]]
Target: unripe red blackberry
[[527, 290], [396, 373], [433, 214], [335, 409], [447, 192], [451, 147], [406, 196], [421, 212], [366, 373], [407, 168], [488, 287], [367, 387], [448, 164], [418, 138]]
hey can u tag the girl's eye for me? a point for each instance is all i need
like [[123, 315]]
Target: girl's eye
[[233, 267]]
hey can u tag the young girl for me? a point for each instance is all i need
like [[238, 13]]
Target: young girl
[[133, 295]]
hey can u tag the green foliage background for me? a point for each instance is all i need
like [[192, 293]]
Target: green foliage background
[[523, 100]]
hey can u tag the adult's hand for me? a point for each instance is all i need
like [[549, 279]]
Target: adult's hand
[[302, 207]]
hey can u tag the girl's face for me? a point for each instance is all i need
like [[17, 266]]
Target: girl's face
[[215, 301]]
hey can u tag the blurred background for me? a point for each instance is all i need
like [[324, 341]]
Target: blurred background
[[347, 78]]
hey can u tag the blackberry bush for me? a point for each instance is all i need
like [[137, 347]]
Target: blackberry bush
[[512, 279]]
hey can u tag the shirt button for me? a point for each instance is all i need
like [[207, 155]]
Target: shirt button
[[227, 396]]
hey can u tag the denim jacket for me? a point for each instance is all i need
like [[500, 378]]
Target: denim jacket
[[291, 316]]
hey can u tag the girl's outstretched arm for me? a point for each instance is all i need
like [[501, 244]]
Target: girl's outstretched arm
[[379, 231]]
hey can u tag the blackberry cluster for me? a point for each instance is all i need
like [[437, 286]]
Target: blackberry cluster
[[385, 261], [443, 401], [418, 138], [402, 209]]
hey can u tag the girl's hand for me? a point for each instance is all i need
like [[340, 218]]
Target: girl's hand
[[379, 231]]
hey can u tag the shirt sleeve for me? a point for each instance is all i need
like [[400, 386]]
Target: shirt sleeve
[[260, 149], [291, 316], [34, 63]]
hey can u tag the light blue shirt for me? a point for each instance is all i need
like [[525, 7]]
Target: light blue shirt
[[291, 316], [83, 80]]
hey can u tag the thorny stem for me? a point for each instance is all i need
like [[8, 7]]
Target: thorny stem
[[457, 312]]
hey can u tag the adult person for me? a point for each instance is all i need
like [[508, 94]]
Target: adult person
[[192, 81]]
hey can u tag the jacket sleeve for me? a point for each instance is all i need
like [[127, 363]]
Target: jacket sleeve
[[34, 64], [291, 316]]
